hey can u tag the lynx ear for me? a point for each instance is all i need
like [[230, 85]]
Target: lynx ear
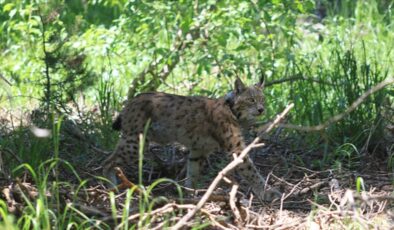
[[229, 98], [239, 86], [261, 83]]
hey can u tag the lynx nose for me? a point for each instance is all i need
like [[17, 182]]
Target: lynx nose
[[261, 110]]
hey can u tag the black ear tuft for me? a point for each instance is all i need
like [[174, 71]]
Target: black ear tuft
[[261, 82], [239, 86], [117, 125]]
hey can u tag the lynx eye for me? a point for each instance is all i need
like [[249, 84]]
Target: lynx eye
[[252, 100]]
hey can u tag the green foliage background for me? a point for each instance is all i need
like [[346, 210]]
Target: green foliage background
[[70, 64], [54, 52]]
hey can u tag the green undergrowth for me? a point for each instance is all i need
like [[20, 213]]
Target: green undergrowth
[[338, 58], [45, 207], [93, 52], [48, 209]]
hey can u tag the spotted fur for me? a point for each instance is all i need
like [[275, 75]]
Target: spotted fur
[[203, 125]]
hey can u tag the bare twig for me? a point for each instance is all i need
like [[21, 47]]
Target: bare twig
[[91, 210], [295, 78], [340, 116], [296, 186], [237, 215], [310, 188], [170, 208], [12, 205], [26, 189], [278, 118], [215, 223], [182, 42], [16, 157], [276, 226], [5, 80], [166, 208], [237, 161], [46, 61], [212, 198], [376, 197]]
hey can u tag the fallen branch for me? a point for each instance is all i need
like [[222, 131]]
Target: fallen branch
[[91, 210], [280, 226], [340, 116], [310, 188], [26, 188], [166, 208], [237, 214], [12, 206], [212, 198], [237, 161]]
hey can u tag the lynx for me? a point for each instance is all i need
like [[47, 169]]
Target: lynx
[[203, 125]]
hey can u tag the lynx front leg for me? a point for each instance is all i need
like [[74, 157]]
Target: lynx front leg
[[248, 172], [194, 164], [125, 154]]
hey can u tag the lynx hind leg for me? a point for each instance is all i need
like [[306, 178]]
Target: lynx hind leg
[[249, 173], [194, 164], [124, 156]]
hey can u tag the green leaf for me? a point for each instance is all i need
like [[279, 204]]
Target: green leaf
[[360, 184], [12, 13], [300, 7], [8, 7]]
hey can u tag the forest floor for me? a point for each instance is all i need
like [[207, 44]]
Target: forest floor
[[355, 194]]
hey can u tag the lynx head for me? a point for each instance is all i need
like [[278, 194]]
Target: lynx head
[[247, 103]]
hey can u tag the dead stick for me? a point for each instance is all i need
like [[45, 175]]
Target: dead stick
[[237, 161], [340, 116], [309, 188], [237, 215], [166, 208], [10, 201], [212, 198]]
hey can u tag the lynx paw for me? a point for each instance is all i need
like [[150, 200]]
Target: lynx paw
[[270, 195]]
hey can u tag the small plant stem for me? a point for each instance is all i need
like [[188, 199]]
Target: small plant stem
[[47, 76]]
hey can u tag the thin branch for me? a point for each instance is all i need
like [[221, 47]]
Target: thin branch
[[180, 45], [340, 116], [237, 214], [9, 151], [296, 78], [166, 208], [279, 118], [47, 76], [5, 80]]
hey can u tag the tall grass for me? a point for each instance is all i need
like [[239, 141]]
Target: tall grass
[[45, 208], [48, 210], [339, 61]]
